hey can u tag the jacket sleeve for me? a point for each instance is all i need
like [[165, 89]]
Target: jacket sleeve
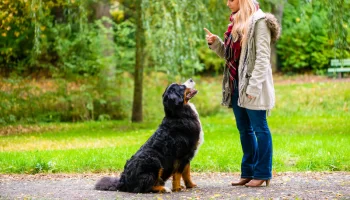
[[262, 39], [218, 47]]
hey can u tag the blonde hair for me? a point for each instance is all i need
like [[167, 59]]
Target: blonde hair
[[241, 19]]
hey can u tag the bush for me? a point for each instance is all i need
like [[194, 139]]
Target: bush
[[16, 35], [57, 100], [304, 44], [61, 38], [212, 62]]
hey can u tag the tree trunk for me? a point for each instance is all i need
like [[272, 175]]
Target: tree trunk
[[138, 76], [277, 10], [108, 71]]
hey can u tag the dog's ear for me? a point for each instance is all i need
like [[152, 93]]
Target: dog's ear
[[171, 100], [165, 91], [169, 89]]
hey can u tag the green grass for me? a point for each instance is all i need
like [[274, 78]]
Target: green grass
[[300, 144], [310, 127]]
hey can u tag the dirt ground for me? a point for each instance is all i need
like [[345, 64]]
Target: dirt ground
[[289, 185]]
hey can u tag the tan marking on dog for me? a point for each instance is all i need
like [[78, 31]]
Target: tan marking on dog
[[176, 182], [186, 176], [176, 165], [161, 189], [187, 91], [160, 173]]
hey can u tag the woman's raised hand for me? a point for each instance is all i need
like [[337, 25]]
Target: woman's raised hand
[[210, 37]]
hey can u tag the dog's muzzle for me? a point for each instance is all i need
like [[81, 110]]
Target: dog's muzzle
[[190, 91]]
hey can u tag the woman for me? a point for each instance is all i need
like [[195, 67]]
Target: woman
[[248, 84]]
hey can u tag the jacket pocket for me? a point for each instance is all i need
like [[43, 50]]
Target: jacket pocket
[[225, 92], [248, 75]]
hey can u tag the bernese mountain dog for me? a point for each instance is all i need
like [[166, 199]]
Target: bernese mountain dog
[[168, 152]]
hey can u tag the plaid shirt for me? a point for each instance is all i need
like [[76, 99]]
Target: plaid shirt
[[232, 51]]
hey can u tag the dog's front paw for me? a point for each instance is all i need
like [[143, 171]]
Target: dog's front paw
[[161, 189], [166, 190], [191, 185], [177, 189]]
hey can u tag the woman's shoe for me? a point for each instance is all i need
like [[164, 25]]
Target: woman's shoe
[[242, 181], [257, 183]]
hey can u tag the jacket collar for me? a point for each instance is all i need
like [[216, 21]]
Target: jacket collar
[[271, 22]]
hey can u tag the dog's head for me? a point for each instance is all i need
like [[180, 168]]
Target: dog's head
[[178, 95]]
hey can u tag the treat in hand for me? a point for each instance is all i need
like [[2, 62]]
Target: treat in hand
[[210, 37]]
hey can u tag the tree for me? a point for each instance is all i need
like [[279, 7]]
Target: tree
[[276, 7], [173, 31], [108, 70], [277, 10], [170, 31], [339, 21], [139, 66]]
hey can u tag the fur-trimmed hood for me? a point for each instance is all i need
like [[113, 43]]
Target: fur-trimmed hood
[[271, 22], [274, 26]]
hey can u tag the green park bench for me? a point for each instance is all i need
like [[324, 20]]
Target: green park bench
[[338, 67]]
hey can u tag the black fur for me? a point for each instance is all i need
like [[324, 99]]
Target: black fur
[[107, 183], [170, 148]]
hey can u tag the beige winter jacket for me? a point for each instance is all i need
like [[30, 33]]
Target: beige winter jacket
[[254, 70]]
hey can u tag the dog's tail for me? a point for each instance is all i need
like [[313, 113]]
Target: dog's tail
[[107, 183]]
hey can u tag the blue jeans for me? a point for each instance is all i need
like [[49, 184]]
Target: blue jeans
[[256, 141]]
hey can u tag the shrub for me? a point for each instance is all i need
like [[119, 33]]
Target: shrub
[[58, 100], [304, 44]]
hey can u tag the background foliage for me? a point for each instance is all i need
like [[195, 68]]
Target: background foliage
[[305, 40], [29, 101], [85, 50], [63, 37]]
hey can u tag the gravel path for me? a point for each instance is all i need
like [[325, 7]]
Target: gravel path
[[290, 185]]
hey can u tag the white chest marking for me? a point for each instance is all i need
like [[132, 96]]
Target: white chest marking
[[201, 135]]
